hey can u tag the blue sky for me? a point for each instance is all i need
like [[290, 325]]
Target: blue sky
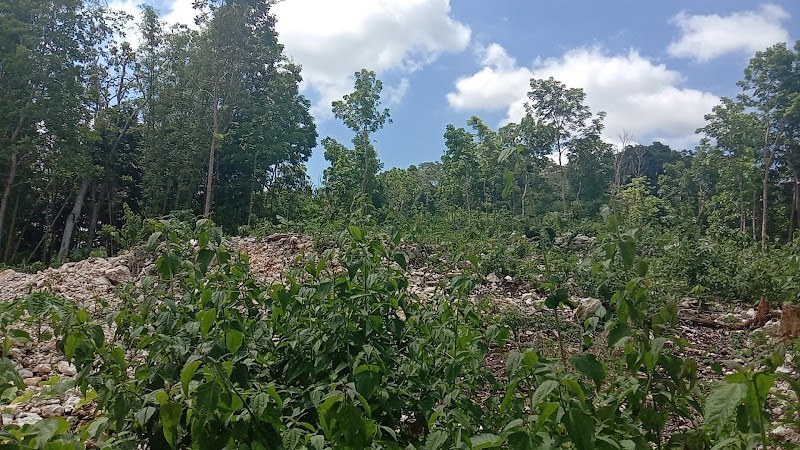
[[655, 67]]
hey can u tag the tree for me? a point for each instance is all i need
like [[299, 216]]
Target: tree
[[527, 145], [771, 87], [360, 111], [564, 110], [43, 49]]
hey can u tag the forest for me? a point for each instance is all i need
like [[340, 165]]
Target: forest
[[538, 286]]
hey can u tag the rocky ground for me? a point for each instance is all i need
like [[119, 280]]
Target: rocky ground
[[49, 378]]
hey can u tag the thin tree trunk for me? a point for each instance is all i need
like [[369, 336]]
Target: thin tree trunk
[[72, 218], [12, 228], [12, 174], [212, 152], [524, 194], [563, 178], [93, 219], [793, 210], [51, 222]]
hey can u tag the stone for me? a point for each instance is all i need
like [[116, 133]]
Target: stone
[[508, 278], [66, 368], [790, 322], [25, 373], [52, 410], [492, 278], [42, 369], [27, 418], [586, 308], [118, 274], [32, 381], [71, 402], [581, 241]]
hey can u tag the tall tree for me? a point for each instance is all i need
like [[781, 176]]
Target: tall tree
[[770, 86], [360, 111], [44, 47], [564, 110]]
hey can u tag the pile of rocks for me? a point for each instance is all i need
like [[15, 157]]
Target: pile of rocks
[[77, 281]]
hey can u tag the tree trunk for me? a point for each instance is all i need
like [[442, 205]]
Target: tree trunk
[[12, 228], [72, 218], [212, 152], [93, 219], [563, 177], [765, 204], [12, 174], [524, 194]]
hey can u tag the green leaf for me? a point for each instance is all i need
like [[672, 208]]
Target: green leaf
[[628, 251], [168, 265], [543, 391], [618, 332], [170, 416], [435, 440], [204, 258], [207, 319], [356, 233], [187, 373], [71, 344], [486, 440], [641, 267], [233, 340], [589, 366], [580, 428], [9, 375], [47, 428], [721, 403]]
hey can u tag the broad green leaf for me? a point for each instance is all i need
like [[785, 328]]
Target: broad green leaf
[[204, 258], [486, 440], [356, 233], [207, 319], [543, 390], [9, 375], [618, 332], [170, 416], [721, 403], [71, 344], [435, 440], [589, 366], [628, 251], [580, 428], [233, 340], [187, 373], [47, 428]]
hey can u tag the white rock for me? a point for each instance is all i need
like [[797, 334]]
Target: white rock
[[66, 368], [27, 418], [25, 373], [52, 410], [42, 369], [508, 278], [71, 403], [492, 278], [118, 274], [586, 308]]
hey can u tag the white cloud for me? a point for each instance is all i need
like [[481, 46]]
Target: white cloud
[[706, 37], [395, 94], [178, 12], [333, 40], [638, 95]]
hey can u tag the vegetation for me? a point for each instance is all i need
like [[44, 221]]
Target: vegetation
[[198, 134]]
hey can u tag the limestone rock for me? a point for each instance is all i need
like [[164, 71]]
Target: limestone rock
[[586, 308], [66, 368]]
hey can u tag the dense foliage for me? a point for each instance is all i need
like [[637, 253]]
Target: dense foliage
[[104, 147]]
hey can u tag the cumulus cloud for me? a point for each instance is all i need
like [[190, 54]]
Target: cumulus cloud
[[706, 37], [639, 96], [333, 40], [394, 94], [177, 12]]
